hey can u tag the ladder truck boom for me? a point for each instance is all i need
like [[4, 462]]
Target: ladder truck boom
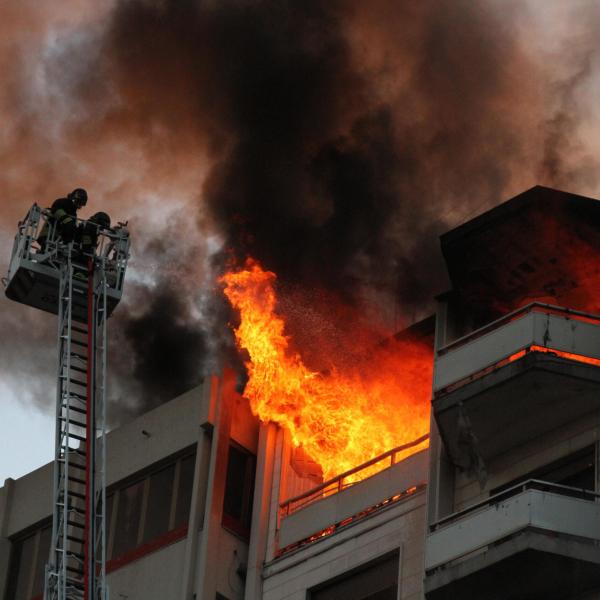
[[82, 289]]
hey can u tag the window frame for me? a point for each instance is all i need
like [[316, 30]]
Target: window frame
[[114, 490]]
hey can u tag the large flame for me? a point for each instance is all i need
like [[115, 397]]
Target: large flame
[[340, 419]]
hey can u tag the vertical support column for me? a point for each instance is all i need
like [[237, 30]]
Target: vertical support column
[[440, 490], [261, 510], [209, 399], [209, 559], [5, 544], [277, 483]]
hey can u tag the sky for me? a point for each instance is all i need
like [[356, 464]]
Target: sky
[[333, 141]]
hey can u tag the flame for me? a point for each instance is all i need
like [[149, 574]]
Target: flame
[[340, 419]]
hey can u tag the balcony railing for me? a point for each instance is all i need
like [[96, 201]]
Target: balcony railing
[[349, 478], [535, 504], [535, 327]]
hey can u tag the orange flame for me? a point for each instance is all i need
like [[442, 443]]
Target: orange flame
[[340, 419]]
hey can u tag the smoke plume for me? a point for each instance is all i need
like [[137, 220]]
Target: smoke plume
[[332, 141]]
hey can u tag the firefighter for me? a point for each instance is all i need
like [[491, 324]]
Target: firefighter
[[64, 214], [87, 232], [86, 242]]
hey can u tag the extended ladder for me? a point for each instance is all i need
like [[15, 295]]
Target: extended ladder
[[82, 290], [77, 570]]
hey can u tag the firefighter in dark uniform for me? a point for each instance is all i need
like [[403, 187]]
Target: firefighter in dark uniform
[[87, 232], [86, 242], [64, 214]]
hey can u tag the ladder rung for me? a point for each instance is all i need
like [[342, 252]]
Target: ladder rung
[[79, 343], [75, 555], [75, 524], [73, 464], [75, 436], [74, 570], [78, 369], [75, 381], [75, 539], [77, 409], [77, 495], [76, 480], [79, 329], [78, 356], [76, 423]]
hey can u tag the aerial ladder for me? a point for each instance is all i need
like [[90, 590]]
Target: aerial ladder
[[83, 290]]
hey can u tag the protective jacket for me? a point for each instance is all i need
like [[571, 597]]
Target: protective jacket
[[64, 214], [87, 236]]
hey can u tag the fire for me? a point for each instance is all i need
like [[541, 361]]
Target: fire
[[341, 419]]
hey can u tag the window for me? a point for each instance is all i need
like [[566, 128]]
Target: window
[[158, 509], [379, 581], [184, 491], [239, 489], [149, 510], [129, 507], [27, 569]]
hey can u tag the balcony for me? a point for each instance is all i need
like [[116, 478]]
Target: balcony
[[535, 540], [376, 484], [491, 386]]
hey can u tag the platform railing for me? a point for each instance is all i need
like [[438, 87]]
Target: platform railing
[[112, 247], [348, 478]]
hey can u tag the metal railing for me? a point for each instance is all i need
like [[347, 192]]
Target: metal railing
[[347, 479], [529, 484], [516, 314], [112, 245]]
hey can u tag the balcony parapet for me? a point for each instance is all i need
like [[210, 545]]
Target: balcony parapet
[[515, 540], [537, 326], [491, 386], [539, 504]]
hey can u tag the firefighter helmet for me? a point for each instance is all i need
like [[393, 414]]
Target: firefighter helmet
[[79, 197], [102, 219]]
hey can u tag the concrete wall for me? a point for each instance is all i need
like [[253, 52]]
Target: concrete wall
[[397, 528], [156, 576]]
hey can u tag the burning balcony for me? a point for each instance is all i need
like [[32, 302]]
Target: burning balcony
[[350, 496], [534, 540], [492, 387]]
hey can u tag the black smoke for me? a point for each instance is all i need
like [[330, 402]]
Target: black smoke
[[333, 141]]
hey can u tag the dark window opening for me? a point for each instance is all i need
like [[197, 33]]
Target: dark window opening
[[184, 490], [239, 490], [576, 470], [379, 581], [27, 568]]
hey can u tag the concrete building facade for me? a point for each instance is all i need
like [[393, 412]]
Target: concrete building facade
[[207, 503]]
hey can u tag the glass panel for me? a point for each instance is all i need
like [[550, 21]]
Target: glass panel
[[184, 491], [377, 582], [128, 518], [42, 558], [21, 560], [159, 504]]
